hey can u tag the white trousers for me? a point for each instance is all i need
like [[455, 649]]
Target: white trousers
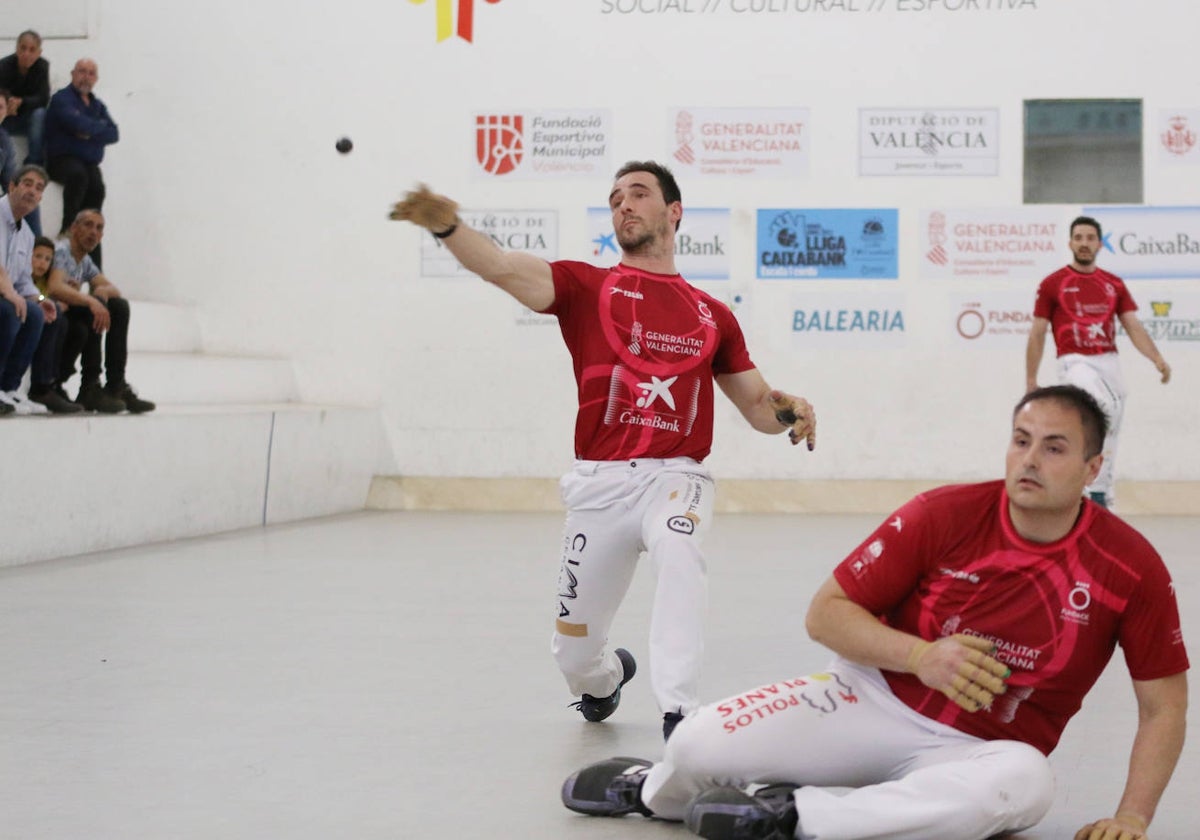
[[908, 777], [1101, 377], [616, 510]]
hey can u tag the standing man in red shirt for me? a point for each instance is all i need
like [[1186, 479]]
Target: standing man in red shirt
[[1082, 301], [646, 348], [968, 628]]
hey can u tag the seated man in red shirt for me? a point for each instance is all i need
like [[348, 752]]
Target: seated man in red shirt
[[968, 628]]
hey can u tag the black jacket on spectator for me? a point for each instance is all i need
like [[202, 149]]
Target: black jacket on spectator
[[33, 88]]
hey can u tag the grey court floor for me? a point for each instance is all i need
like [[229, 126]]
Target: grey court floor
[[387, 675]]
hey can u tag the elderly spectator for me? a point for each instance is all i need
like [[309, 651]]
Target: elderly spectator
[[99, 310], [78, 128]]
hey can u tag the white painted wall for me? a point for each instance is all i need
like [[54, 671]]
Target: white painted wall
[[226, 191]]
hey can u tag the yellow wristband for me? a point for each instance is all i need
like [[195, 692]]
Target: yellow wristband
[[914, 655], [1131, 817]]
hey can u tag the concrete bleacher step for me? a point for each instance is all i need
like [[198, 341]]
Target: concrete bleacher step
[[228, 447], [163, 328], [168, 366], [84, 483], [197, 378]]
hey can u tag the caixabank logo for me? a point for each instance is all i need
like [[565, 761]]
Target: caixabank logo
[[455, 17]]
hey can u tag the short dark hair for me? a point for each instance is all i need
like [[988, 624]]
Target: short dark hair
[[1091, 415], [31, 167], [43, 242], [666, 181], [29, 33], [1085, 220]]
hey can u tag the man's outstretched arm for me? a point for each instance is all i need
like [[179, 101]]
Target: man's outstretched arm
[[527, 278]]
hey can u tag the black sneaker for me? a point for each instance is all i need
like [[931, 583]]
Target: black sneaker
[[133, 402], [596, 709], [94, 398], [55, 400], [670, 721], [609, 788], [728, 813], [6, 409]]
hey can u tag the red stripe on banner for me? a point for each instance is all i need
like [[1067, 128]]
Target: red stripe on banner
[[466, 11]]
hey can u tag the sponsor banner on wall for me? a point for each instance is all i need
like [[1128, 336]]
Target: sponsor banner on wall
[[1149, 242], [532, 231], [928, 141], [1170, 313], [1009, 243], [849, 318], [745, 142], [701, 243], [991, 316], [573, 143], [827, 244], [1179, 136]]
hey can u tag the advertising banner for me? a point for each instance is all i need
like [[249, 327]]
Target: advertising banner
[[1021, 244], [827, 244], [1149, 242], [744, 142], [928, 141], [701, 243], [547, 145]]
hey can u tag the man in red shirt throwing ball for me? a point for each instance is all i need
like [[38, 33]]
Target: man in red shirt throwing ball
[[1082, 302], [647, 347], [968, 627]]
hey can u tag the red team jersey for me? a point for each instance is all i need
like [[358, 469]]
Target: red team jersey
[[949, 561], [1082, 308], [645, 348]]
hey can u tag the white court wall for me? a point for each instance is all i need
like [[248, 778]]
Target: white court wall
[[226, 192]]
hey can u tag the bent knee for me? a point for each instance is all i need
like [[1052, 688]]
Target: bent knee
[[1025, 782], [695, 752]]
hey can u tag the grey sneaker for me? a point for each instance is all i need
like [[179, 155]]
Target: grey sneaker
[[94, 398], [728, 813], [609, 788]]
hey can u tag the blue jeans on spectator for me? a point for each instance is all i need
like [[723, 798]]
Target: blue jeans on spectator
[[18, 341], [47, 358], [31, 124]]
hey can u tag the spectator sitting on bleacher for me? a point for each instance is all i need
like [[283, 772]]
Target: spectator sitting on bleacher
[[8, 164], [78, 128], [47, 359], [26, 76], [89, 315], [22, 310]]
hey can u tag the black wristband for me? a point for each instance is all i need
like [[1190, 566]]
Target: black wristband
[[453, 227]]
